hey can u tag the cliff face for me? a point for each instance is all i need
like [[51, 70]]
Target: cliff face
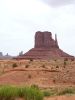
[[44, 39], [45, 48]]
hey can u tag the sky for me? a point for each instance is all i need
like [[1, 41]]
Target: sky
[[20, 19]]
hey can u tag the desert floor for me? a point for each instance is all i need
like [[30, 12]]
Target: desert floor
[[46, 74]]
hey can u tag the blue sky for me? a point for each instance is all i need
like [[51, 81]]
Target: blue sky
[[20, 19]]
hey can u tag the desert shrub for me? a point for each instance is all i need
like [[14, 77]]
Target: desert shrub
[[55, 60], [43, 66], [54, 81], [14, 65], [29, 76], [67, 71], [67, 91], [47, 93], [65, 63], [35, 86], [31, 60], [64, 66], [26, 66], [57, 66], [72, 59], [65, 59]]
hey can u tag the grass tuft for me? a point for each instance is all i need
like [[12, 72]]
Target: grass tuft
[[28, 93]]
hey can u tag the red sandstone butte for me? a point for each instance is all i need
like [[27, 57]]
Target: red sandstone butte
[[45, 48]]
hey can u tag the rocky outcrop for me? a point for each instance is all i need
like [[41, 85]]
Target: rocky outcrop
[[45, 48]]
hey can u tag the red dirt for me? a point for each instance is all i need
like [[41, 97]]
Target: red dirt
[[42, 73], [61, 98]]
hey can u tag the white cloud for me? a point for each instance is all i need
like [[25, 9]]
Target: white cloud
[[57, 3]]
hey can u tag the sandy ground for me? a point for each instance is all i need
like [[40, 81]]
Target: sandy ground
[[45, 74], [61, 98], [41, 73], [56, 98]]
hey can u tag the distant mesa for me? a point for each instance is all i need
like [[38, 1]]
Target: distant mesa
[[4, 57], [45, 48], [1, 54]]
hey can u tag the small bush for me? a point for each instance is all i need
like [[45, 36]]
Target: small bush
[[67, 91], [72, 59], [57, 66], [54, 81], [26, 66], [14, 65], [29, 76], [64, 66], [65, 59], [65, 63], [47, 93], [55, 60], [35, 86], [43, 66], [31, 60]]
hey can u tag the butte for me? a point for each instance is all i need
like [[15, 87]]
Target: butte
[[45, 48]]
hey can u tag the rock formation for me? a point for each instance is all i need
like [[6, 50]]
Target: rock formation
[[45, 48], [1, 54], [44, 40], [4, 57]]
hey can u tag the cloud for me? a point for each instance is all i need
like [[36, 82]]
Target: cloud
[[56, 3]]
